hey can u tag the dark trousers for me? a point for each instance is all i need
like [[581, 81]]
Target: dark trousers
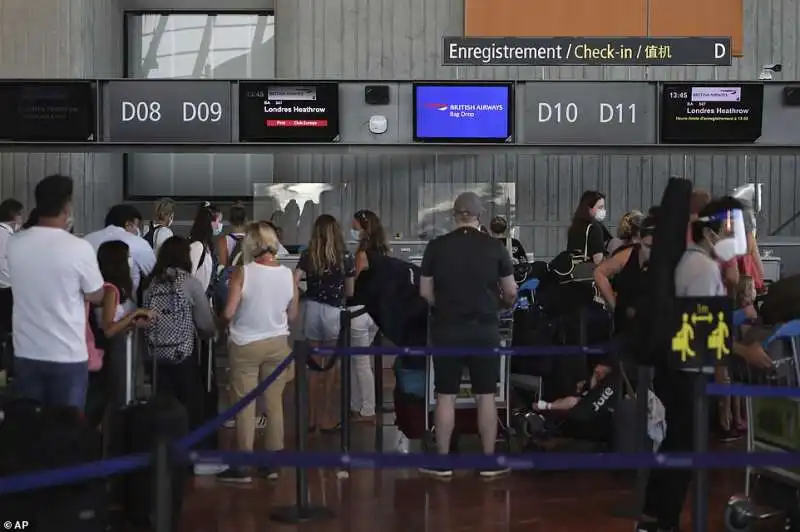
[[6, 343], [667, 488], [182, 381]]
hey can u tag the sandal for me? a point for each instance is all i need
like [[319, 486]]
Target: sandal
[[335, 428]]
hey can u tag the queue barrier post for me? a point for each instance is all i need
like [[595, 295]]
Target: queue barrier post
[[163, 461], [700, 445], [345, 341], [378, 342], [301, 511]]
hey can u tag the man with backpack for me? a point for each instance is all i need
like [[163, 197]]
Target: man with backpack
[[159, 229]]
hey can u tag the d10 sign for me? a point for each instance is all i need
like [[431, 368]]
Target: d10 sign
[[589, 113], [168, 111]]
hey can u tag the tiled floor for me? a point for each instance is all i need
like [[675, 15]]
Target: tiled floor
[[403, 501]]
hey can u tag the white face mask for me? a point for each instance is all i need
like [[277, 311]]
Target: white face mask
[[600, 215], [355, 234], [70, 223], [130, 263], [725, 249]]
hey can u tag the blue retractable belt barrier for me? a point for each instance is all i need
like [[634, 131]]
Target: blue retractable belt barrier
[[207, 428], [751, 390], [556, 350], [537, 461], [72, 474]]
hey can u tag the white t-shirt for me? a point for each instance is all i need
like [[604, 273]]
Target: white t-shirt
[[144, 259], [52, 270], [201, 272], [266, 294]]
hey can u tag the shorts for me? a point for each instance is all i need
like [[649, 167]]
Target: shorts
[[321, 322], [484, 371]]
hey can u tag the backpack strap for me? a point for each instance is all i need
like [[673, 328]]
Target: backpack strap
[[235, 257]]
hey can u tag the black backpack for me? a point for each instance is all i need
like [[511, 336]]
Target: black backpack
[[150, 236], [389, 289]]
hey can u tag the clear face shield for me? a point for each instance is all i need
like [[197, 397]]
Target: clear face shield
[[731, 241]]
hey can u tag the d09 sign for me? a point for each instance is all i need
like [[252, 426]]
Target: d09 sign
[[168, 111]]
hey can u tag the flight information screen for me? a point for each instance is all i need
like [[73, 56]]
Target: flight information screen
[[272, 112], [47, 111], [711, 113]]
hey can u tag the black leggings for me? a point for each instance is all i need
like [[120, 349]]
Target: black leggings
[[667, 488]]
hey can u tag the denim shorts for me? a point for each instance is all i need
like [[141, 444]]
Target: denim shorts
[[52, 383]]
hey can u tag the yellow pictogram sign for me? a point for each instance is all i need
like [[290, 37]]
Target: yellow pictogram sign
[[718, 338], [702, 333], [682, 341]]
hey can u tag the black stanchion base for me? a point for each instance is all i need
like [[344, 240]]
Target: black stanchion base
[[296, 514]]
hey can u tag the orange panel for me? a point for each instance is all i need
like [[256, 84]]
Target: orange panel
[[555, 18], [699, 18]]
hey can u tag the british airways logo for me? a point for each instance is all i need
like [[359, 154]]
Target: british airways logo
[[466, 110], [437, 106]]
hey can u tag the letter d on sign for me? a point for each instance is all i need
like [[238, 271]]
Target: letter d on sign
[[189, 112], [719, 50], [545, 112], [128, 111]]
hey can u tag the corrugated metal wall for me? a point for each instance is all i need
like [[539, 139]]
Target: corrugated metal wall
[[62, 39], [401, 39]]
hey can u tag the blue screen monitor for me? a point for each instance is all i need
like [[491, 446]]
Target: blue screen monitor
[[455, 112]]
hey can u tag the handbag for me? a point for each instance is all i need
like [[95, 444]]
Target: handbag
[[582, 266]]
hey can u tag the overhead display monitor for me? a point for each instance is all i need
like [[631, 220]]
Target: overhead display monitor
[[288, 112], [585, 112], [455, 112], [47, 111], [167, 111], [711, 113]]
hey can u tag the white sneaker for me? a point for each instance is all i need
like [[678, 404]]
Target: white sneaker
[[207, 470], [229, 423], [403, 444]]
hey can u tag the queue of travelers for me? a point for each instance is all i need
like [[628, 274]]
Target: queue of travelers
[[161, 283]]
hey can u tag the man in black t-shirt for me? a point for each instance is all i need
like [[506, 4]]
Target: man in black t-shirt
[[467, 278]]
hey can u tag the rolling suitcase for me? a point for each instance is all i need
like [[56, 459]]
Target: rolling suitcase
[[37, 439], [133, 430]]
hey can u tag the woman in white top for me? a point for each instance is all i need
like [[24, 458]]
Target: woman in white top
[[201, 237], [262, 299]]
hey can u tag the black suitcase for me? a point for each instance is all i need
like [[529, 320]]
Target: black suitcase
[[134, 431], [37, 439]]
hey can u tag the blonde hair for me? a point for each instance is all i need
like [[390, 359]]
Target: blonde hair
[[625, 230], [259, 239], [326, 248], [165, 207]]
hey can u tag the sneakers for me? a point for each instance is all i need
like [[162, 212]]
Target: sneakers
[[209, 470], [235, 476], [261, 422], [494, 472], [438, 472], [270, 473]]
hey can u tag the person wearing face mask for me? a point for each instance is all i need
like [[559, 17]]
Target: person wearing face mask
[[11, 212], [160, 228], [201, 235], [587, 236], [698, 274], [53, 273], [122, 223]]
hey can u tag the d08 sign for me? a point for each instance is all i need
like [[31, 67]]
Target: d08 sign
[[168, 111]]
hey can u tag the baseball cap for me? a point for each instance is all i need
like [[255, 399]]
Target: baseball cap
[[468, 203]]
